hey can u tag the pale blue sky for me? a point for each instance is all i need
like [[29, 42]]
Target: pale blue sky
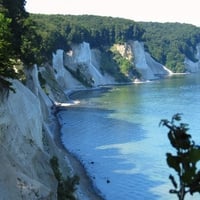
[[183, 11]]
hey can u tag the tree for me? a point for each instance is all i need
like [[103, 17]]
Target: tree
[[185, 160], [31, 47], [12, 16], [15, 10], [18, 40], [6, 65], [170, 43]]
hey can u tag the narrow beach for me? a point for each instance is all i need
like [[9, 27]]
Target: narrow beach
[[86, 188]]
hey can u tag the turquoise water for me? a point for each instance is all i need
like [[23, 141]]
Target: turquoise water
[[116, 134]]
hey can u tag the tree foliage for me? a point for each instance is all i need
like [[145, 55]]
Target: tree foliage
[[60, 31], [186, 158], [15, 10], [98, 31], [170, 43], [32, 38], [18, 40], [6, 65], [30, 47]]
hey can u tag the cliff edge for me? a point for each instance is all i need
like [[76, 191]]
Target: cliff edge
[[28, 126]]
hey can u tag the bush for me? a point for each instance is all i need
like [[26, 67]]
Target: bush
[[66, 187]]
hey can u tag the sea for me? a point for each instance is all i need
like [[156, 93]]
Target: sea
[[115, 133]]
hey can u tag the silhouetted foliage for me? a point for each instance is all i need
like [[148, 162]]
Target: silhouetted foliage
[[186, 158]]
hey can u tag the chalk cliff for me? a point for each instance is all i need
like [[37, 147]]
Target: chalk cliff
[[27, 126], [25, 170], [80, 66], [27, 129], [191, 66], [85, 62], [144, 63]]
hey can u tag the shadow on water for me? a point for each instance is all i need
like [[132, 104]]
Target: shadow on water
[[89, 93], [95, 122], [116, 139], [93, 136], [124, 177]]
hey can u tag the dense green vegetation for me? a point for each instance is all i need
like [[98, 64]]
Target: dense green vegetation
[[110, 65], [31, 38], [11, 15], [119, 67], [6, 70], [185, 161], [169, 43], [126, 66], [16, 42], [60, 31], [27, 39]]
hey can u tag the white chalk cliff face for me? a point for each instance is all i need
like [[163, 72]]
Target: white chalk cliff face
[[145, 64], [24, 169], [85, 60], [193, 66], [64, 78], [26, 133]]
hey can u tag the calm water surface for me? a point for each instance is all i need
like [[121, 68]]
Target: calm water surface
[[116, 135]]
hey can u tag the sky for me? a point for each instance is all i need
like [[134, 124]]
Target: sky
[[183, 11]]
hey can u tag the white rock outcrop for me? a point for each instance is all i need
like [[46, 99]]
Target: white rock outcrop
[[82, 61], [85, 60], [191, 66], [26, 129], [146, 65], [24, 171], [63, 77]]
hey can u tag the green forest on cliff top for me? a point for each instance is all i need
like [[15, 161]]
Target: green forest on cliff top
[[168, 43], [31, 38]]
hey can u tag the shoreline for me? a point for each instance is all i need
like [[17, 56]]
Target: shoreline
[[107, 87], [85, 189]]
